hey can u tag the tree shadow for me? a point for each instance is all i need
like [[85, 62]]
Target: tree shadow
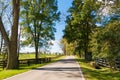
[[59, 69], [67, 61]]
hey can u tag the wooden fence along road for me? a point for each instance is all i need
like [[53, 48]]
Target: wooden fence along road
[[29, 61], [104, 62]]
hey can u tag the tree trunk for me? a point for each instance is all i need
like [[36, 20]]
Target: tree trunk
[[11, 43], [36, 52], [86, 42], [79, 53], [36, 41], [12, 62], [12, 50], [1, 44]]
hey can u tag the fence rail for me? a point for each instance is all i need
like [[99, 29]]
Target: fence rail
[[105, 63], [30, 61]]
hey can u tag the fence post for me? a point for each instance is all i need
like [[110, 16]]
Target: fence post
[[4, 65], [28, 62]]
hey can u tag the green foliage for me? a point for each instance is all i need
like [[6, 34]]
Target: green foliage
[[80, 24], [68, 48], [38, 19], [81, 28], [110, 39]]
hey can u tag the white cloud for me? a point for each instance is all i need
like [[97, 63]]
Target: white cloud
[[56, 47], [100, 0], [27, 49], [111, 2]]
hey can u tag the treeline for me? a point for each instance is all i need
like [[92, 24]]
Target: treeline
[[26, 23], [93, 29]]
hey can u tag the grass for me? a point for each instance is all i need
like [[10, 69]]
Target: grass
[[91, 73], [32, 56], [23, 68]]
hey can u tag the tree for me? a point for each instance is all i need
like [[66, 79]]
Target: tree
[[108, 10], [68, 48], [38, 22], [1, 43], [11, 42], [81, 24]]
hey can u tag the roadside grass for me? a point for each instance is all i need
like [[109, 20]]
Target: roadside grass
[[90, 73], [23, 68]]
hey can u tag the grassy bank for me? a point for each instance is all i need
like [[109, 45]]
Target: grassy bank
[[91, 73], [23, 68]]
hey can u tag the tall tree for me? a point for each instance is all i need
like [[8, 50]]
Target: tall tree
[[39, 18], [11, 42], [81, 24]]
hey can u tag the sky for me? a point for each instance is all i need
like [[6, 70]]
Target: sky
[[63, 6]]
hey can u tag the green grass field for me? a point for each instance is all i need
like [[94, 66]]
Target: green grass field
[[91, 73], [31, 56]]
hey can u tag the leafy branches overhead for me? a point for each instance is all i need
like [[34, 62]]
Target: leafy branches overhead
[[109, 38]]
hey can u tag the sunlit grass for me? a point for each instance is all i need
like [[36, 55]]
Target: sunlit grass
[[32, 55], [91, 73]]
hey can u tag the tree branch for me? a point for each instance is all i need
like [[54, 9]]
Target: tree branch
[[3, 31]]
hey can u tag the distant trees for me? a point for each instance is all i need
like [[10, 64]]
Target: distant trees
[[67, 48]]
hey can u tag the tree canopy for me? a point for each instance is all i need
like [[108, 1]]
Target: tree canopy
[[93, 25]]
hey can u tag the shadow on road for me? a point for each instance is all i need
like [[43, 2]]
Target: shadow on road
[[62, 68], [67, 61], [59, 68]]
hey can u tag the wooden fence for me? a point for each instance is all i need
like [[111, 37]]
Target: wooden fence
[[30, 61], [105, 63]]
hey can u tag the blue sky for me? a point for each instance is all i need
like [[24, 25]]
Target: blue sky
[[63, 6]]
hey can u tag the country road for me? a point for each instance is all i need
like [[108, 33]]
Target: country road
[[65, 69]]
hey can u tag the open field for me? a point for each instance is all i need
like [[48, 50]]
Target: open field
[[91, 73], [31, 56]]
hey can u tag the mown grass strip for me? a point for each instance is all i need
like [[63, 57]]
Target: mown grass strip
[[91, 73], [23, 68]]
